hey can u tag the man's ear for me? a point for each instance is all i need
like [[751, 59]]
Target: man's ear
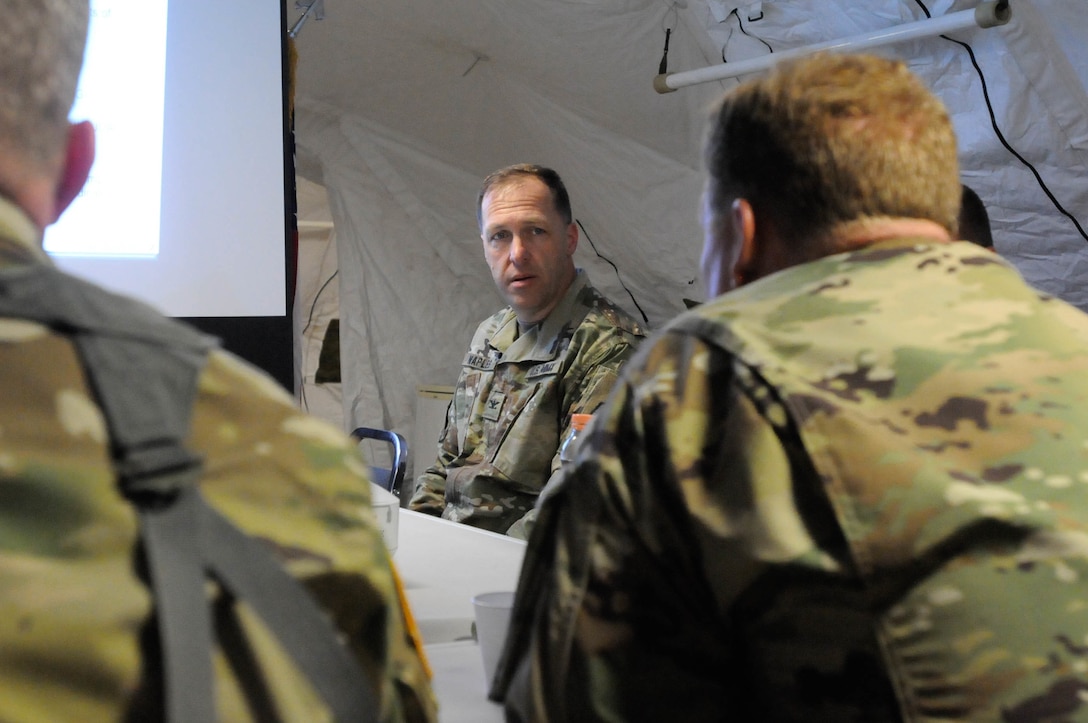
[[572, 238], [78, 159], [743, 220]]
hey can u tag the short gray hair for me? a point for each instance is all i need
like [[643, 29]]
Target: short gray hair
[[41, 53]]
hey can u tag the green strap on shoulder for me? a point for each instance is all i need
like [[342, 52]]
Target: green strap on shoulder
[[143, 370]]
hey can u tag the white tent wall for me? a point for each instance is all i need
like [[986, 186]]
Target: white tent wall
[[1036, 70], [317, 301], [400, 269], [403, 107], [413, 283]]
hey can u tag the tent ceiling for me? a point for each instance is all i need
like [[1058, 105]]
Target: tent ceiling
[[439, 74], [403, 105], [436, 71]]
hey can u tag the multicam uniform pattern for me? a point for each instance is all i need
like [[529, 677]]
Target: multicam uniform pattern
[[71, 605], [854, 490], [513, 404]]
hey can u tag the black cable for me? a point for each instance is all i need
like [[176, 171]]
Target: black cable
[[303, 402], [313, 306], [740, 24], [663, 67], [1001, 136], [609, 261]]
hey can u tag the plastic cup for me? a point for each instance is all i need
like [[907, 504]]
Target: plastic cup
[[492, 611]]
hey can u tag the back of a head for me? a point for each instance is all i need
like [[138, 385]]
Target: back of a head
[[42, 44], [831, 139]]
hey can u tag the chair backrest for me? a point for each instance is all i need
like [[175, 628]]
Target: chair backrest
[[391, 477]]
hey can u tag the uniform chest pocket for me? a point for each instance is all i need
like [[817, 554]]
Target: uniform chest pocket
[[523, 441]]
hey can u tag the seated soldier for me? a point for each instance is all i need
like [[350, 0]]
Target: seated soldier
[[554, 352], [90, 489]]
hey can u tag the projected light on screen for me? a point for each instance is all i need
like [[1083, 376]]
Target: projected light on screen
[[186, 206], [124, 92]]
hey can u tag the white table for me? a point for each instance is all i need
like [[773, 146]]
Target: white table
[[443, 565]]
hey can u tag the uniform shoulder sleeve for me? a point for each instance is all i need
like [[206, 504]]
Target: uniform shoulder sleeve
[[603, 311]]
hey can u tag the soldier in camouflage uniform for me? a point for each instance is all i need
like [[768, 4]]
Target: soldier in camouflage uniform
[[853, 488], [554, 352], [71, 603]]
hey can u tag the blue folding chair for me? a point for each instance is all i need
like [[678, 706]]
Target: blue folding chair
[[391, 477]]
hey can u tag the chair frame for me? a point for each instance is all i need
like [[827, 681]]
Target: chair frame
[[392, 477]]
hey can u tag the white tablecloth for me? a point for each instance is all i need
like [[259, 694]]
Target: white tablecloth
[[443, 565]]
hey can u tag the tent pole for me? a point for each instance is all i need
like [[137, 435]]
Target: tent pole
[[315, 5]]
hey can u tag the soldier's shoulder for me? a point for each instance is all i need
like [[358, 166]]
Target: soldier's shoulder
[[238, 401], [605, 312], [226, 373]]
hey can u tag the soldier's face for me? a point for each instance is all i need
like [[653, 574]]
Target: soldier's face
[[528, 246]]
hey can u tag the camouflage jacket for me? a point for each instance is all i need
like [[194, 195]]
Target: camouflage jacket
[[72, 604], [853, 490], [513, 404]]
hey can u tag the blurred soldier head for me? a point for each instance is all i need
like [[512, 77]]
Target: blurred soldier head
[[816, 157], [44, 159]]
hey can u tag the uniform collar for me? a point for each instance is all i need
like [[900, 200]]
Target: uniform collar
[[20, 238], [540, 343]]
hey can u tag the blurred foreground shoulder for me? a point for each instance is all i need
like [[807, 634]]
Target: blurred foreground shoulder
[[300, 484]]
